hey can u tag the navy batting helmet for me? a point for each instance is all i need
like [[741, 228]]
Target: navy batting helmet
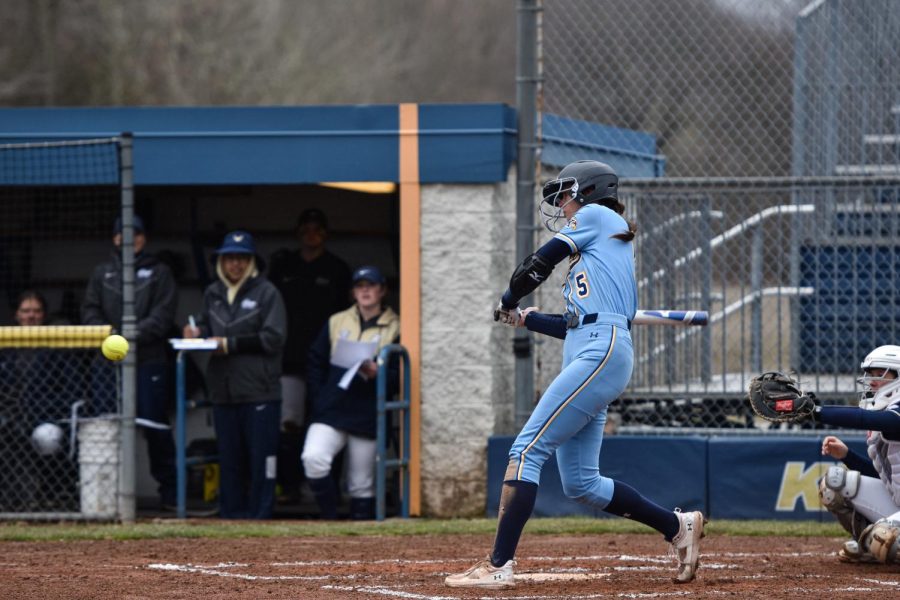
[[587, 180]]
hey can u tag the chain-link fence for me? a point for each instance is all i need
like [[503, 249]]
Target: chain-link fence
[[60, 400], [59, 407], [846, 90], [796, 276], [772, 129], [728, 88]]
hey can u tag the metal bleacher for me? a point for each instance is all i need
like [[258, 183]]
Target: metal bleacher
[[854, 265]]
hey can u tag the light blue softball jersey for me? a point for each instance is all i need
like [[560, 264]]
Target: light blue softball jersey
[[601, 268], [597, 361]]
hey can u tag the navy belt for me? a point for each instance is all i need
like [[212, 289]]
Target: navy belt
[[573, 321]]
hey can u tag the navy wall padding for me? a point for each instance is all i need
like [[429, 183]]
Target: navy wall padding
[[668, 471], [746, 475], [727, 477]]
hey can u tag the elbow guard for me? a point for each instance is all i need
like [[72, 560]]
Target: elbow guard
[[530, 274]]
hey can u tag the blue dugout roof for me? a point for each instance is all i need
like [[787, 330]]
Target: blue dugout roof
[[458, 143]]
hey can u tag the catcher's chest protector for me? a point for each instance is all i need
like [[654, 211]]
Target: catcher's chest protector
[[885, 457]]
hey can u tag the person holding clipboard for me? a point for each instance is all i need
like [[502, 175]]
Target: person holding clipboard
[[244, 317], [342, 389]]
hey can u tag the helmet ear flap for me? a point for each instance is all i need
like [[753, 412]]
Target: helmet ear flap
[[585, 194]]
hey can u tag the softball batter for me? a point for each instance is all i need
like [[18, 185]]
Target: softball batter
[[600, 296]]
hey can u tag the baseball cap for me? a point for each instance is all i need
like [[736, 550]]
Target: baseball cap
[[313, 215], [136, 221], [237, 242], [368, 273]]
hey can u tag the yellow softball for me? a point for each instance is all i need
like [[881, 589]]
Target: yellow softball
[[115, 347]]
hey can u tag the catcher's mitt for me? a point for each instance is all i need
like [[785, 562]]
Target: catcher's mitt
[[776, 397]]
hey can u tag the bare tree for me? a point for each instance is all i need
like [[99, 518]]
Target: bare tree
[[127, 52]]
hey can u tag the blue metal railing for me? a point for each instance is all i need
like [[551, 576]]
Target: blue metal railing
[[382, 462], [182, 462]]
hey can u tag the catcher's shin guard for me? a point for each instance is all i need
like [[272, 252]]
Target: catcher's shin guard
[[836, 492], [882, 539], [852, 552]]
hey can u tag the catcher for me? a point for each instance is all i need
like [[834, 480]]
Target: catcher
[[864, 496]]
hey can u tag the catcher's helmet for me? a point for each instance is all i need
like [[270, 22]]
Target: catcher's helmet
[[47, 439], [588, 181], [878, 389]]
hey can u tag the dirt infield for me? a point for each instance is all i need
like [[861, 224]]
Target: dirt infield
[[412, 567]]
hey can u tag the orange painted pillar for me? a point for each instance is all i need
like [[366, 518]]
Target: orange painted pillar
[[410, 285]]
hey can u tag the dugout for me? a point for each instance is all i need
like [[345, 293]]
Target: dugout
[[425, 192]]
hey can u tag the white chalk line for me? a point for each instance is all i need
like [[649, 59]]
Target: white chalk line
[[540, 577], [881, 581], [218, 569], [659, 558], [219, 573], [383, 591], [558, 573]]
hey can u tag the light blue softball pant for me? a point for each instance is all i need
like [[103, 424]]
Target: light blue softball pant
[[569, 419]]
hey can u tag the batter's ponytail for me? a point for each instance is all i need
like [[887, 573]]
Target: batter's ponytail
[[614, 204], [627, 236]]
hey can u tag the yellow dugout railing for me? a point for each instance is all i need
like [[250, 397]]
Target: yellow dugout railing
[[54, 336]]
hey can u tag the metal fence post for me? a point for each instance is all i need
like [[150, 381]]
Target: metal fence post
[[182, 462], [756, 304], [180, 437], [706, 287], [127, 501], [527, 82]]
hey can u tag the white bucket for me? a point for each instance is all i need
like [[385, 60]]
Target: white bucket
[[98, 467]]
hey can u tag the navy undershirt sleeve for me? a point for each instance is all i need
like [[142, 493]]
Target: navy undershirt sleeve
[[553, 252], [856, 462], [552, 325], [885, 421]]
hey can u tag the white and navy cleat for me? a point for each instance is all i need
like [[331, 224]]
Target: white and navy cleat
[[484, 575], [686, 544]]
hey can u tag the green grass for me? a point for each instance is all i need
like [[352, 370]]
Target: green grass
[[172, 528]]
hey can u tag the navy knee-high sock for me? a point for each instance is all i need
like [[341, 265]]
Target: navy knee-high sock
[[516, 503], [629, 503]]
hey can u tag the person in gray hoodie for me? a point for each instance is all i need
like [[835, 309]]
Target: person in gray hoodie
[[245, 315]]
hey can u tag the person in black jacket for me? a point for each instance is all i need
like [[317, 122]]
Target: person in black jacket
[[314, 284], [244, 313], [347, 416], [154, 307]]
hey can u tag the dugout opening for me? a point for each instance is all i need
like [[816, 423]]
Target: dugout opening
[[54, 236], [51, 248], [186, 223]]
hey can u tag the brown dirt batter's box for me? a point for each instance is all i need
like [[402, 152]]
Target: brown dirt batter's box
[[579, 566]]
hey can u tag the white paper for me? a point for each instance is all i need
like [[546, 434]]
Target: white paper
[[344, 383], [193, 344], [150, 424], [348, 353]]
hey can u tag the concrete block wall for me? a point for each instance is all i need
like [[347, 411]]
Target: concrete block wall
[[467, 256]]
